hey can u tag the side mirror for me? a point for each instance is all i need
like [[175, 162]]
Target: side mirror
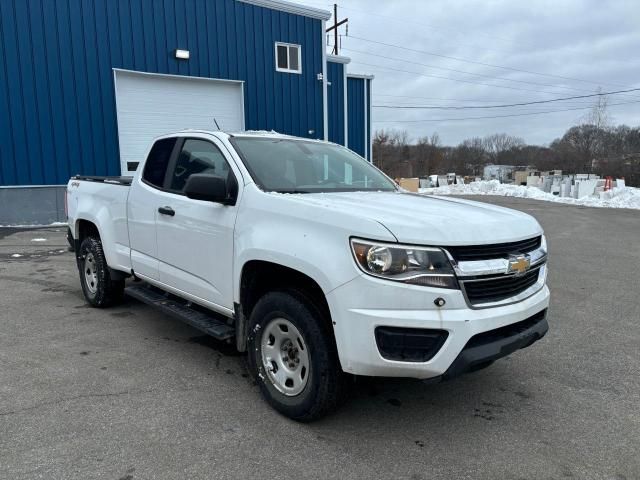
[[211, 188]]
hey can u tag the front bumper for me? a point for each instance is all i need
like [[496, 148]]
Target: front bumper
[[365, 303], [486, 347]]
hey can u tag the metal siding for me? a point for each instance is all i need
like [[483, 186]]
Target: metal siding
[[126, 31], [94, 88], [84, 132], [265, 69], [109, 130], [355, 106], [278, 80], [69, 108], [32, 126], [137, 35], [369, 120], [201, 27], [57, 102], [7, 165], [335, 75], [40, 84]]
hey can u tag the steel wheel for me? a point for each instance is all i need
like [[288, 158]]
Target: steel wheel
[[285, 357], [90, 273]]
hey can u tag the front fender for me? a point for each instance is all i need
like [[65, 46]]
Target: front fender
[[276, 229]]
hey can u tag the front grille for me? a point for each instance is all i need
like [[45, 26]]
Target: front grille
[[496, 289], [497, 250]]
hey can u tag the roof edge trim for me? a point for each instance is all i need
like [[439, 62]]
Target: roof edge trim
[[290, 7], [338, 59]]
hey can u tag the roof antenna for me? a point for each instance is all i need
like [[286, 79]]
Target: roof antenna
[[216, 122]]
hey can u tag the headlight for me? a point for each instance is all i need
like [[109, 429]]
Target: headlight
[[428, 266]]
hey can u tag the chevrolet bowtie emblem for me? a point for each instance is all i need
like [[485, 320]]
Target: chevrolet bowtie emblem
[[518, 264]]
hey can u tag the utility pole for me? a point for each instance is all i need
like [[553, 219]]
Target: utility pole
[[334, 27]]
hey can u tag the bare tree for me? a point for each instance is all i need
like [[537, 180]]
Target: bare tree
[[589, 147], [391, 151], [427, 154], [473, 155], [494, 145], [599, 116]]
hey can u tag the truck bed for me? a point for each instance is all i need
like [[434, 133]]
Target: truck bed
[[113, 180], [103, 202]]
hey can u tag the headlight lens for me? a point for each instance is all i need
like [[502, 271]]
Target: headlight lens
[[427, 266]]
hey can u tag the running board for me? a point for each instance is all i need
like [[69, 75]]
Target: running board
[[210, 323]]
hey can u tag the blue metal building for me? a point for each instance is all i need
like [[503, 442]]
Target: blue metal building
[[85, 85]]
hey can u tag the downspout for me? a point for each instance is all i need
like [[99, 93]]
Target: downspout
[[369, 100], [346, 108], [366, 120], [325, 105]]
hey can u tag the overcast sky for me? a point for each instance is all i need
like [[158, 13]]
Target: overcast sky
[[591, 43]]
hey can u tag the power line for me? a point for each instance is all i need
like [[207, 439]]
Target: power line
[[454, 79], [495, 116], [526, 108], [449, 107], [413, 97], [458, 59], [464, 71], [431, 26]]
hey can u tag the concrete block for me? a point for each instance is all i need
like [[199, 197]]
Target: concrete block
[[32, 205]]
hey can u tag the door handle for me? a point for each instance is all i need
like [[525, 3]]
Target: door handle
[[167, 211]]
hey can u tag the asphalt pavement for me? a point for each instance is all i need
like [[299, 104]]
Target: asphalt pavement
[[127, 393]]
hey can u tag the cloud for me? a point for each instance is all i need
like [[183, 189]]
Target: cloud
[[590, 43]]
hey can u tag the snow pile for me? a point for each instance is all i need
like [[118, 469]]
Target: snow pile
[[54, 224], [627, 197]]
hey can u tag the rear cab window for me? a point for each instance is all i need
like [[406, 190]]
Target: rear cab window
[[172, 161], [155, 168]]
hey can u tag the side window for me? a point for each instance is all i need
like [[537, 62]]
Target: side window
[[198, 156], [288, 58], [155, 167]]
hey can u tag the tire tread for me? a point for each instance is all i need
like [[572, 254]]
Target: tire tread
[[110, 292], [332, 385]]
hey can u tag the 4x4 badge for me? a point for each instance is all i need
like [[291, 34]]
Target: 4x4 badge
[[518, 264]]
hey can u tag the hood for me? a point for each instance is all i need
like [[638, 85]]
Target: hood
[[430, 220]]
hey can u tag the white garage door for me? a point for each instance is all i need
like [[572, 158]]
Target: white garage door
[[150, 105]]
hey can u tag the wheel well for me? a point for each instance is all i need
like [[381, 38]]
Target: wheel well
[[85, 229], [259, 277]]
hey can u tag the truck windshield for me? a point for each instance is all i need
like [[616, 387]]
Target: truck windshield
[[299, 166]]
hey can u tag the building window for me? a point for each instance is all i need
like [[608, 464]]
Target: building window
[[288, 58]]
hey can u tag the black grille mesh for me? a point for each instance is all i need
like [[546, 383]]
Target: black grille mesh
[[499, 288], [497, 250]]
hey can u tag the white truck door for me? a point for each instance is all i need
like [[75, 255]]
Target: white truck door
[[142, 208], [195, 238]]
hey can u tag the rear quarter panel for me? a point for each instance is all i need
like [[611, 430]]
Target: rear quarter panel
[[104, 205]]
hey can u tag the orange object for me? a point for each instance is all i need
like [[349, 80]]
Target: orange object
[[608, 183]]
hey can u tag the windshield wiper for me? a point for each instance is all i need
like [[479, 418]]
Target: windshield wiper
[[291, 191]]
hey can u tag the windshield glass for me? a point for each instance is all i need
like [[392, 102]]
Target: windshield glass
[[299, 166]]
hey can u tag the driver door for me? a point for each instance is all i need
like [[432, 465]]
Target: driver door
[[195, 237]]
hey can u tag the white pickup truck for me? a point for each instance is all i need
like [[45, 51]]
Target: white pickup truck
[[312, 261]]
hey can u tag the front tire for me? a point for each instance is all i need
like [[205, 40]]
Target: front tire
[[293, 357], [98, 288]]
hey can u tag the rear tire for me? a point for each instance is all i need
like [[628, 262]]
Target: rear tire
[[95, 278], [293, 357]]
